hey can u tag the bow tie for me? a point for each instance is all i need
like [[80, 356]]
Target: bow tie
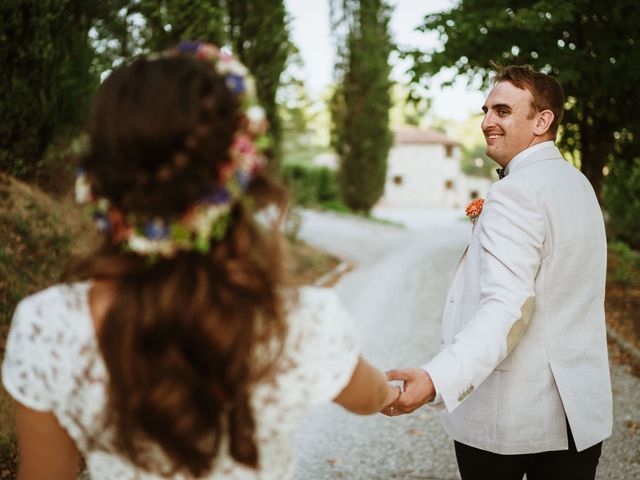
[[501, 173]]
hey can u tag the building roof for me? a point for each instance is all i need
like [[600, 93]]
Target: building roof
[[414, 135]]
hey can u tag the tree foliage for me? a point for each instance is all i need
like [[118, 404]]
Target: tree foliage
[[54, 52], [622, 199], [46, 76], [589, 45], [259, 35], [362, 100]]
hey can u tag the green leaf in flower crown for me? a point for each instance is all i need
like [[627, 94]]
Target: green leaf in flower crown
[[179, 233], [263, 142], [234, 188], [219, 228], [202, 243]]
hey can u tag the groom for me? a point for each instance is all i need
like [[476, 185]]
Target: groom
[[523, 376]]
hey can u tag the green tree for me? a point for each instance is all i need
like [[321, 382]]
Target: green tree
[[46, 76], [589, 45], [259, 35], [168, 22], [362, 100]]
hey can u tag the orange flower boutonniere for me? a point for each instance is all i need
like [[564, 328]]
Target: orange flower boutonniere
[[474, 209]]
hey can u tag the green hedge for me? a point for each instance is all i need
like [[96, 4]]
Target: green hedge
[[622, 202], [624, 264], [310, 185]]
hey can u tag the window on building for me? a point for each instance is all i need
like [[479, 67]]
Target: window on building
[[397, 179], [449, 150], [474, 194], [448, 184]]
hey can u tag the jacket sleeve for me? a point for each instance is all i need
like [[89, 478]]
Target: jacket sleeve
[[512, 234]]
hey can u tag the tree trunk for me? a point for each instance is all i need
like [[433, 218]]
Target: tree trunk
[[595, 146]]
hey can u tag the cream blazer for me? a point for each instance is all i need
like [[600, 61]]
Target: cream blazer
[[523, 332]]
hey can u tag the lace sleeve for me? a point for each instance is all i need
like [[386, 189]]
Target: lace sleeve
[[326, 349], [29, 369]]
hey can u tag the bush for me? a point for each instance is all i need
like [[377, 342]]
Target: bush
[[309, 185], [624, 264], [622, 202]]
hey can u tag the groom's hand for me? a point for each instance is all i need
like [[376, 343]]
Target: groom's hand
[[418, 390]]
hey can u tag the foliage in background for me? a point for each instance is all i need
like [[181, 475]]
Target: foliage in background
[[360, 106], [301, 117], [574, 41], [46, 76], [474, 161], [53, 54], [259, 35], [622, 200], [169, 22], [310, 186], [624, 264]]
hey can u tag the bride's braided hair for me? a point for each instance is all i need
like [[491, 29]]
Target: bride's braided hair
[[186, 338]]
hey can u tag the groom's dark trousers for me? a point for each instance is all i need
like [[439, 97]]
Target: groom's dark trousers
[[476, 464]]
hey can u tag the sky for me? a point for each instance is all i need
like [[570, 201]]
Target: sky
[[311, 33]]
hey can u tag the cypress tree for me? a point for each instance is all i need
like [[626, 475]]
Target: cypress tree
[[360, 105], [260, 37]]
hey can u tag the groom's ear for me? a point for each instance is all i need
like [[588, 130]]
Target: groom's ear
[[543, 122]]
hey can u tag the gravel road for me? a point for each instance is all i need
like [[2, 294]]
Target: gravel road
[[396, 295]]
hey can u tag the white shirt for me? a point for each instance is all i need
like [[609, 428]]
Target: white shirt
[[53, 364]]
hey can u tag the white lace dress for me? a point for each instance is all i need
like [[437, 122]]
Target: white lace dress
[[53, 364]]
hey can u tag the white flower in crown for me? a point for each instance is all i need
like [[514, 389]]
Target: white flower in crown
[[225, 66], [82, 190], [250, 86], [201, 219], [209, 50], [145, 246], [256, 114]]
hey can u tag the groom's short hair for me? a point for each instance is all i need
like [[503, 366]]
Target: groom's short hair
[[546, 91]]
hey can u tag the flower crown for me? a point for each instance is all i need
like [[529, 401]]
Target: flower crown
[[208, 218]]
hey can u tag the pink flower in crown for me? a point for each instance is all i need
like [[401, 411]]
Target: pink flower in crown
[[226, 171], [121, 230], [243, 145], [207, 51]]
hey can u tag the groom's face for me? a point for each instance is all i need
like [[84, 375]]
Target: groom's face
[[508, 122]]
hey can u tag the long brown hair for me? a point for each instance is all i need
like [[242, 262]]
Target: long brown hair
[[185, 339]]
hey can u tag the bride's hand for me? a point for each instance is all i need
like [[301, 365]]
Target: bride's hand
[[393, 395], [418, 390]]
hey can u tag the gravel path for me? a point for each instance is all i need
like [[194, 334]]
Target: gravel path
[[396, 294]]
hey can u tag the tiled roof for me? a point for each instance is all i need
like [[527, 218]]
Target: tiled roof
[[406, 135]]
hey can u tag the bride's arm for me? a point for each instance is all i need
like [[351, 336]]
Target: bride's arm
[[46, 450], [368, 391]]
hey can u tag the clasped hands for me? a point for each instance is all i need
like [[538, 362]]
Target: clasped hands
[[417, 390]]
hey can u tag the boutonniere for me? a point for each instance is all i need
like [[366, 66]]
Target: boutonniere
[[474, 209]]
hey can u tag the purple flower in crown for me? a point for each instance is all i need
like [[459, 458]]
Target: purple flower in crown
[[101, 221], [235, 83], [216, 196], [188, 47], [156, 229], [243, 177]]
